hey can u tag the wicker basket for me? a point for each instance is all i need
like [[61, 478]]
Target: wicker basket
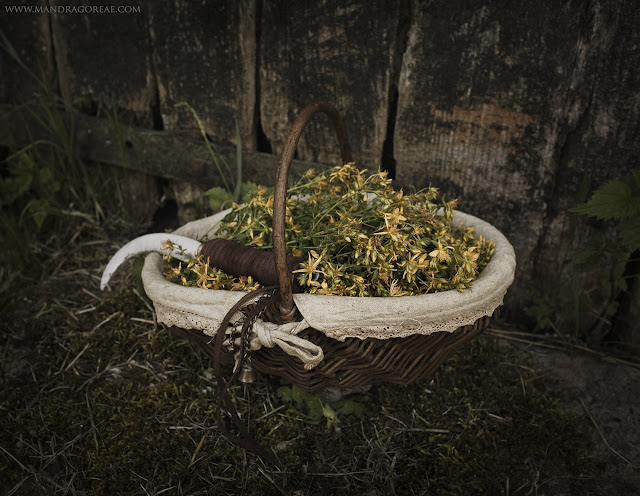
[[350, 361]]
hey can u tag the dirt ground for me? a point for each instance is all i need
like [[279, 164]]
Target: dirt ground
[[52, 353], [609, 394]]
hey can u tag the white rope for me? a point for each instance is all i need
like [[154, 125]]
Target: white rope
[[285, 336]]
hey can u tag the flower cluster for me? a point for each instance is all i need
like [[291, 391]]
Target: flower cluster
[[197, 273], [360, 237]]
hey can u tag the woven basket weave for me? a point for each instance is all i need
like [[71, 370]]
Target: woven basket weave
[[351, 359]]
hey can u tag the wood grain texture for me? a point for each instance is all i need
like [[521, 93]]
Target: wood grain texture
[[489, 100], [167, 154], [29, 37], [104, 63], [204, 55], [325, 51]]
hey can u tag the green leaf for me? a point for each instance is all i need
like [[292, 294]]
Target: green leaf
[[19, 181], [316, 408], [46, 177], [630, 233], [329, 414], [297, 394], [611, 309], [621, 284], [218, 196], [38, 211], [615, 200], [590, 254], [358, 410], [136, 268], [247, 190], [284, 392], [345, 407]]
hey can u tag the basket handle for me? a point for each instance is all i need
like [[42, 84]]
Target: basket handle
[[287, 308]]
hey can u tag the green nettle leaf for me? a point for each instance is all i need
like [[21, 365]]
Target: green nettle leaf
[[590, 254], [218, 196], [615, 200], [630, 233]]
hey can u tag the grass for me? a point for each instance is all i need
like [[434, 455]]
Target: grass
[[98, 398]]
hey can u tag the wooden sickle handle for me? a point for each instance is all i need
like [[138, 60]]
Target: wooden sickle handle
[[239, 260], [287, 308]]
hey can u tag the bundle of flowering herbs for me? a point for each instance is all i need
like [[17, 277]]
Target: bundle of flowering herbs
[[358, 235]]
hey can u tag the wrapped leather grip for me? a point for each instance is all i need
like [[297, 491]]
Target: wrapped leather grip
[[239, 260]]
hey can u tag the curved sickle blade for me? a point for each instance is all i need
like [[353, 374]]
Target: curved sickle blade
[[184, 248]]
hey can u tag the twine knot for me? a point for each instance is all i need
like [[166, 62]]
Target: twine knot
[[285, 336]]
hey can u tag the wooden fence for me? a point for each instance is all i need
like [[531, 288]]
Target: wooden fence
[[508, 106]]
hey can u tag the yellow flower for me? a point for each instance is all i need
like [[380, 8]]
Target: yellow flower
[[202, 271], [412, 265], [440, 253], [395, 216], [259, 240], [342, 174], [309, 268], [393, 232], [323, 289], [395, 290]]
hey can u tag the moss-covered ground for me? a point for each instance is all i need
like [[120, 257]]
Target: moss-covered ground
[[97, 398]]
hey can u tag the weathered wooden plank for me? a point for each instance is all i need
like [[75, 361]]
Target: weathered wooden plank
[[488, 96], [598, 139], [104, 62], [326, 51], [26, 57], [204, 55], [167, 154]]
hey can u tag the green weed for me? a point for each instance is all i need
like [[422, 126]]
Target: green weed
[[592, 275], [233, 188], [312, 408]]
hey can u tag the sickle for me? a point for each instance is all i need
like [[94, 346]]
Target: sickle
[[230, 257]]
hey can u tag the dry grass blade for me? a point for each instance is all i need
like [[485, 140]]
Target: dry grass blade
[[556, 343], [73, 362], [604, 439], [195, 453]]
